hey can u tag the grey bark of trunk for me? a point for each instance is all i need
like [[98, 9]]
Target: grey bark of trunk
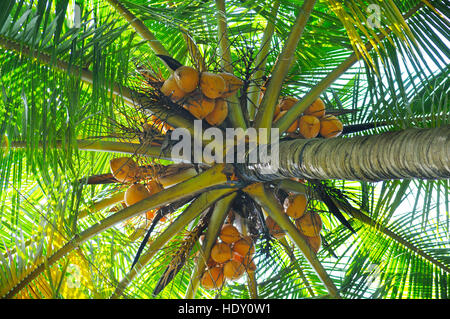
[[414, 153]]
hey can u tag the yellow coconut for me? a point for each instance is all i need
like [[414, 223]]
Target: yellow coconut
[[229, 234], [309, 126], [314, 242], [310, 224], [199, 105], [212, 85], [244, 246], [233, 269], [221, 252], [287, 102], [330, 126], [170, 88], [135, 193], [232, 84], [124, 169], [219, 113], [187, 78], [291, 128], [317, 108], [213, 278], [274, 229], [295, 205]]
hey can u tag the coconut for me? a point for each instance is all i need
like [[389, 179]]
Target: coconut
[[295, 205], [170, 88], [274, 229], [317, 108], [187, 78], [233, 269], [229, 234], [291, 128], [135, 193], [244, 246], [212, 85], [124, 169], [221, 252], [314, 242], [232, 84], [219, 113], [287, 102], [310, 224], [213, 278], [199, 105], [309, 126], [330, 126]]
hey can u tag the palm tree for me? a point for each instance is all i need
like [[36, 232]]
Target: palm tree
[[81, 85]]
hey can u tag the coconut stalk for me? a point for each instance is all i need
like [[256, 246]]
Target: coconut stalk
[[298, 108], [218, 216], [272, 206], [204, 201], [234, 107], [413, 153], [260, 62], [264, 116], [216, 175]]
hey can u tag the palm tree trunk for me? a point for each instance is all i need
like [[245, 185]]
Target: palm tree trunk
[[406, 154]]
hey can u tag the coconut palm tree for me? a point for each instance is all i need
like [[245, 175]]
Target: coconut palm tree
[[83, 84]]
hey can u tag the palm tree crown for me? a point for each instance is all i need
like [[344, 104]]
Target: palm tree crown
[[94, 203]]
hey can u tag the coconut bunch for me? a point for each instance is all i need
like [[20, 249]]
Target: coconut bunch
[[313, 122], [231, 257], [308, 223], [127, 171], [203, 94]]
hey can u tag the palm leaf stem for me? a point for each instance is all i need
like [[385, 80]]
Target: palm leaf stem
[[141, 29], [264, 116], [260, 62], [235, 111]]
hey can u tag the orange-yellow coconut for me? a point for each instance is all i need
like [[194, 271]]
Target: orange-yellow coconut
[[274, 229], [291, 128], [317, 108], [199, 105], [287, 102], [212, 85], [309, 126], [232, 84], [124, 169], [219, 113], [170, 88], [310, 224], [213, 278], [295, 205], [330, 126], [229, 234], [221, 252], [187, 78]]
